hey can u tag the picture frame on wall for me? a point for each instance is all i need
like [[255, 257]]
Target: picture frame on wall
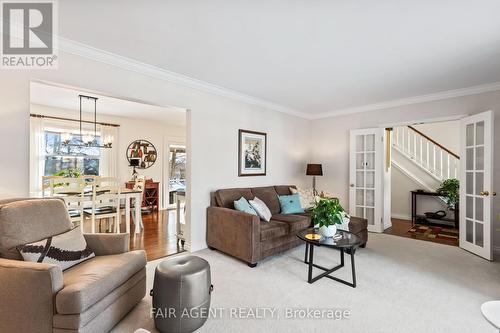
[[252, 153]]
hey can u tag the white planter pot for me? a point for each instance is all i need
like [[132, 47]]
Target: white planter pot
[[329, 231]]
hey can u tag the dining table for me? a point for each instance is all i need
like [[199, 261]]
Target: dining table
[[126, 194]]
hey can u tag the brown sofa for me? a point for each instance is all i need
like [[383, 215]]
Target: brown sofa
[[246, 237], [91, 296]]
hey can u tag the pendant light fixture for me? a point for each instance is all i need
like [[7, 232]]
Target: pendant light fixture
[[86, 140]]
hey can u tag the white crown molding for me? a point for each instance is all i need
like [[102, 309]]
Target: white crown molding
[[474, 90], [86, 51]]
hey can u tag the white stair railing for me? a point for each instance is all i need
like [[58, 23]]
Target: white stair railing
[[432, 157]]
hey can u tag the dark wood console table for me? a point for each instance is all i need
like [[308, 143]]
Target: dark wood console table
[[415, 216]]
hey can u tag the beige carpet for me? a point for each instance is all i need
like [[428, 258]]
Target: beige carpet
[[404, 285]]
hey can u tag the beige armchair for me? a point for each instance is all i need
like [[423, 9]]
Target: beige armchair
[[90, 297]]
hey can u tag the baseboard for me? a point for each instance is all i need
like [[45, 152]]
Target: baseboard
[[401, 216], [496, 252]]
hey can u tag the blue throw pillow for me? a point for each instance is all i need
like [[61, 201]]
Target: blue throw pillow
[[290, 204], [243, 205]]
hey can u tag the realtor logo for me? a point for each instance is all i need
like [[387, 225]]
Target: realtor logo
[[28, 31]]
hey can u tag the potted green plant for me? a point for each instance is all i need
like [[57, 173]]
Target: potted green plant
[[449, 189], [326, 214], [67, 173]]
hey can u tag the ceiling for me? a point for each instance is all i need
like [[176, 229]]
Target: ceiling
[[67, 98], [315, 57]]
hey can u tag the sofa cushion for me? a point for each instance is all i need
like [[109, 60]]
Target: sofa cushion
[[307, 197], [295, 222], [28, 221], [269, 196], [290, 204], [273, 229], [113, 299], [244, 206], [226, 197], [261, 209], [65, 250], [284, 189], [90, 281]]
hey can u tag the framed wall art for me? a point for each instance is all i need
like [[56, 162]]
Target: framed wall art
[[252, 152]]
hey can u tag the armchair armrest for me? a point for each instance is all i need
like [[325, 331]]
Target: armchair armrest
[[234, 232], [107, 244], [28, 293]]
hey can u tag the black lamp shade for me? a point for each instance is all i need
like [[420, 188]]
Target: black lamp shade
[[314, 170], [134, 162]]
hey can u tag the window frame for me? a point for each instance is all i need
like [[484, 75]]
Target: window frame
[[60, 131]]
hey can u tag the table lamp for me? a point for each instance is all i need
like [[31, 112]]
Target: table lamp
[[134, 162], [314, 170]]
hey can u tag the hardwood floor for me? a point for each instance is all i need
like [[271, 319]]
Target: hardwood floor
[[158, 237], [401, 228]]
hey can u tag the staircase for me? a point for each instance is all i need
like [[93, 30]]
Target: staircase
[[419, 162], [429, 156]]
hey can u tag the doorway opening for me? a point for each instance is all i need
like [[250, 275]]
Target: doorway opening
[[424, 181], [121, 139]]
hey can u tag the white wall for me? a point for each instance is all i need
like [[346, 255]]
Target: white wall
[[401, 197], [447, 133], [331, 138], [213, 123], [159, 133]]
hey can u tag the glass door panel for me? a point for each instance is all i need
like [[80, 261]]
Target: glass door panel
[[476, 184], [364, 198]]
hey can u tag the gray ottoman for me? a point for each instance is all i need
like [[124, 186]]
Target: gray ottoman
[[181, 294]]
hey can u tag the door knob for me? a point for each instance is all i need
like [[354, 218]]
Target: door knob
[[484, 193], [494, 194], [352, 185]]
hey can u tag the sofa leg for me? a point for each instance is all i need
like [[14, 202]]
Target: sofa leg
[[363, 246], [211, 248], [252, 265]]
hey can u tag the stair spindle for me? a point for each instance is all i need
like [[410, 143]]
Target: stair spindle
[[428, 156], [415, 145], [441, 173], [448, 168], [434, 158], [421, 150]]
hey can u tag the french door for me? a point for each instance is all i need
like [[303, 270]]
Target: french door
[[476, 184], [366, 166]]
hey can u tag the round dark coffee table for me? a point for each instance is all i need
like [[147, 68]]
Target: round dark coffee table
[[348, 243]]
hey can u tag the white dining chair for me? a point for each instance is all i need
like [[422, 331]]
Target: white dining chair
[[48, 185], [105, 204], [140, 185], [72, 191]]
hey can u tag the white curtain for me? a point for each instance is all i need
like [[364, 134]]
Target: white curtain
[[109, 156], [37, 156]]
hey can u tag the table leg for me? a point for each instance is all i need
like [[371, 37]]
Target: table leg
[[311, 256], [138, 217], [307, 252], [353, 268], [328, 271], [127, 215], [412, 209]]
